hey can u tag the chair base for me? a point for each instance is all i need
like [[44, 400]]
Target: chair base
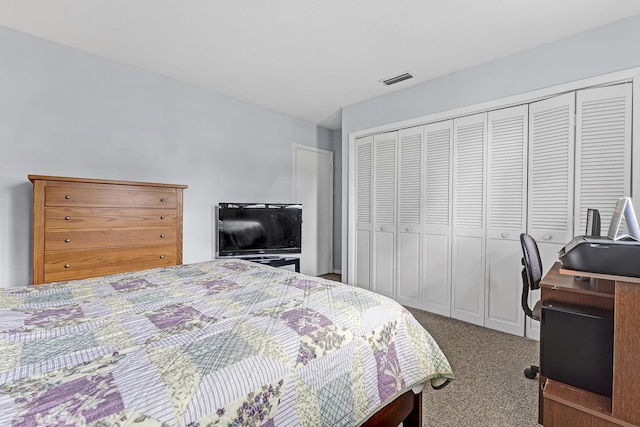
[[531, 372]]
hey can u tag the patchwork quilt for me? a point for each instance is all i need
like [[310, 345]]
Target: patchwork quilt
[[226, 342]]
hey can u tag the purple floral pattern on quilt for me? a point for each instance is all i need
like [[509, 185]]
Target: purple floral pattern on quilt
[[131, 285], [237, 266], [390, 379], [305, 320], [305, 284], [219, 285], [53, 315], [255, 409], [306, 353], [322, 341], [81, 401], [173, 316]]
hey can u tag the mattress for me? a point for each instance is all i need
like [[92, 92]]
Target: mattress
[[225, 342]]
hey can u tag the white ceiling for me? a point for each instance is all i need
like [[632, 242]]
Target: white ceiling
[[306, 58]]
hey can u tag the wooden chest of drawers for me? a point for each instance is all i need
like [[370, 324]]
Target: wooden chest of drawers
[[90, 227]]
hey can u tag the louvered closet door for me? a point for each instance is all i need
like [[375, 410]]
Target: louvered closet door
[[384, 213], [409, 215], [364, 211], [550, 182], [551, 153], [436, 279], [468, 257], [603, 152], [506, 213]]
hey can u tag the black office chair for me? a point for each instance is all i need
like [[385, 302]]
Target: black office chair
[[531, 276]]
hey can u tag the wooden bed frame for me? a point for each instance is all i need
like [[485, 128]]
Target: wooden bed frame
[[405, 409]]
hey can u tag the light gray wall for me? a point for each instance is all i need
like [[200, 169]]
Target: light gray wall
[[606, 49], [64, 112]]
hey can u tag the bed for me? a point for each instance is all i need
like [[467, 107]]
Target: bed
[[225, 342]]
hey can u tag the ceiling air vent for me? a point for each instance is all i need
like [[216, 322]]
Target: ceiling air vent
[[397, 79]]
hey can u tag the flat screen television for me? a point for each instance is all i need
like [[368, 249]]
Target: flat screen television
[[259, 228]]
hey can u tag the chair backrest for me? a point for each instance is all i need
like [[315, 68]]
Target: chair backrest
[[532, 271]]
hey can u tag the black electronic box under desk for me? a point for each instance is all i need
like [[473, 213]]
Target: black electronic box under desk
[[576, 346]]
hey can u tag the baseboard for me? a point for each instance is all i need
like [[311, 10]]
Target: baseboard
[[337, 272]]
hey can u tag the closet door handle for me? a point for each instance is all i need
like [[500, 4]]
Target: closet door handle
[[505, 235], [547, 237], [382, 228], [408, 229]]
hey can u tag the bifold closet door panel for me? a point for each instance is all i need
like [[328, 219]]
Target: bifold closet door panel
[[550, 181], [410, 195], [364, 211], [603, 152], [469, 217], [384, 213], [551, 166], [506, 217], [438, 187]]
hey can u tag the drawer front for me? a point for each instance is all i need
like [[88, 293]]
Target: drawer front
[[76, 218], [78, 265], [73, 240], [92, 195]]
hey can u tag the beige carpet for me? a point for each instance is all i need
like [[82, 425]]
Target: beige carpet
[[490, 388]]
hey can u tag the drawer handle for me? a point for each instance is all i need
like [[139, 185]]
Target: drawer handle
[[162, 200], [68, 196], [162, 236], [67, 265], [67, 240], [161, 216], [161, 256], [67, 218]]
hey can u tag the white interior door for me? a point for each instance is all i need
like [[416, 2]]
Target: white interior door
[[314, 190]]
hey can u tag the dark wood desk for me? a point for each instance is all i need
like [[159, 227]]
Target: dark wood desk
[[564, 405]]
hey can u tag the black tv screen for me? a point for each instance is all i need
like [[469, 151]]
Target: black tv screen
[[259, 228]]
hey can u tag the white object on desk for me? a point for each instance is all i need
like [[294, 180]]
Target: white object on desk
[[624, 209]]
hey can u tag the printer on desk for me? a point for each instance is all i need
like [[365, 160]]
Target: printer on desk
[[616, 253], [602, 255]]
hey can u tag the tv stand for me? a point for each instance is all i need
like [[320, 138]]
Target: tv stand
[[276, 261]]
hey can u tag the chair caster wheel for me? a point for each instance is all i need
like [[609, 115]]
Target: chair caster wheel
[[531, 373]]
